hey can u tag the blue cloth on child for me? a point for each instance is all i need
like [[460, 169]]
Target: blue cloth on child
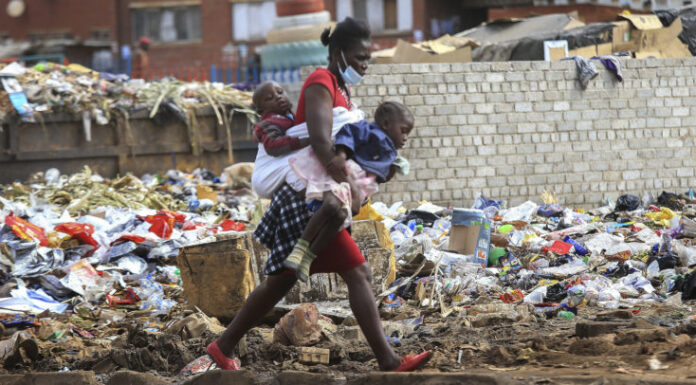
[[369, 146]]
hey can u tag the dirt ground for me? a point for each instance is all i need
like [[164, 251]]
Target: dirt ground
[[488, 337]]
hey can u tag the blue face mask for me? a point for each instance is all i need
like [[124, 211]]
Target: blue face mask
[[349, 75]]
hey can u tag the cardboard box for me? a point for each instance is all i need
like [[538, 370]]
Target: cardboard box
[[621, 37], [648, 38], [471, 234], [218, 276], [555, 50]]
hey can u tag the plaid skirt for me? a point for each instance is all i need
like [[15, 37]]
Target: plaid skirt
[[282, 226]]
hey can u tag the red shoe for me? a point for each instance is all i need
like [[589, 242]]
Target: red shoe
[[413, 362], [222, 361]]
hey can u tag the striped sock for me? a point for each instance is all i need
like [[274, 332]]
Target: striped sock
[[293, 260], [303, 271]]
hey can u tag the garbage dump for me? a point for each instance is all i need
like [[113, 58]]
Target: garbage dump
[[35, 93], [91, 278]]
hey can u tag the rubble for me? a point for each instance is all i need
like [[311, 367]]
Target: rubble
[[119, 274]]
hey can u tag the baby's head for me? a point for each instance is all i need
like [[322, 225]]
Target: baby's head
[[396, 120], [270, 96]]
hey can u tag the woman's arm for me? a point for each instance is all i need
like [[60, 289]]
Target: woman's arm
[[319, 116], [274, 140]]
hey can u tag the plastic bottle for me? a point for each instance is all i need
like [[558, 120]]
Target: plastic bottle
[[52, 175], [565, 314], [403, 229], [397, 237], [579, 249], [666, 245]]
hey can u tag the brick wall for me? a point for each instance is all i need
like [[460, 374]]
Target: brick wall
[[77, 17], [512, 130]]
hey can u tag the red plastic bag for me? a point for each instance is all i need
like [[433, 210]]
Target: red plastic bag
[[129, 237], [80, 231], [129, 298], [230, 225], [512, 296], [559, 247], [178, 217], [163, 222], [26, 230]]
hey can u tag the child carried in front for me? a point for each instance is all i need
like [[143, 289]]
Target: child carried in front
[[368, 148]]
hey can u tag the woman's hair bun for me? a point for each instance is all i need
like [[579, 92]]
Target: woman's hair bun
[[326, 36]]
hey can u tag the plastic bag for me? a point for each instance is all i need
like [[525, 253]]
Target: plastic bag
[[162, 223], [536, 296], [686, 254], [627, 202], [80, 231], [523, 212], [609, 298], [152, 295], [25, 230]]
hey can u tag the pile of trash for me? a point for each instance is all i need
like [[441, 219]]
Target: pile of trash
[[627, 253], [89, 276], [48, 88], [79, 240]]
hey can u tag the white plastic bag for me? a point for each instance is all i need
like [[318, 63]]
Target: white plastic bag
[[523, 212]]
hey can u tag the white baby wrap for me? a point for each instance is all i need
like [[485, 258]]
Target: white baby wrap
[[270, 172]]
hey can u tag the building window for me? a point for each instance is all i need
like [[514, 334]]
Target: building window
[[381, 15], [100, 35], [251, 20], [167, 24], [53, 35]]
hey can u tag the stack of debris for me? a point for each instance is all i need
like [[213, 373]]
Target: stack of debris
[[99, 97]]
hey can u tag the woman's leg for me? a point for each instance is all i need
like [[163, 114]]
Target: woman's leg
[[257, 305], [362, 303]]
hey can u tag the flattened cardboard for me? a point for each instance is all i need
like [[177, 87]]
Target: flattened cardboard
[[604, 49], [405, 52], [643, 22], [675, 49], [557, 53], [586, 52], [657, 38], [555, 49]]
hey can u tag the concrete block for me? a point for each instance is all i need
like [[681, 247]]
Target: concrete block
[[586, 329], [128, 377], [62, 378]]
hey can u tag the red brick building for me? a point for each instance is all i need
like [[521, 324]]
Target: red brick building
[[199, 33], [76, 28]]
